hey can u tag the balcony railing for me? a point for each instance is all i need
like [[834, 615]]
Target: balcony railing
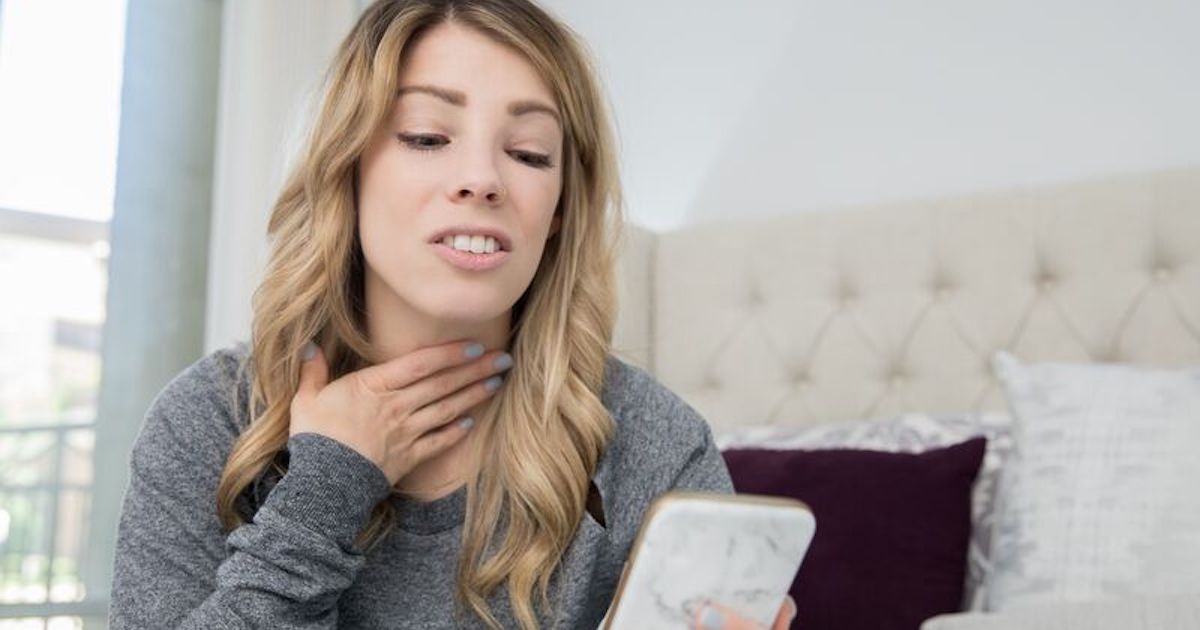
[[46, 488]]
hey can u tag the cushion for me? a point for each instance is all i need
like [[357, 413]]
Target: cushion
[[1130, 613], [1098, 498], [910, 433], [892, 529]]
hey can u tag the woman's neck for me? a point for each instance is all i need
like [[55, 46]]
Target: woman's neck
[[395, 329]]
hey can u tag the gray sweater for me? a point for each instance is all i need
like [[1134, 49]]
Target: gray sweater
[[294, 565]]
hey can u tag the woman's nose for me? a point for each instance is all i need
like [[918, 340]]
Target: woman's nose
[[492, 192], [479, 175]]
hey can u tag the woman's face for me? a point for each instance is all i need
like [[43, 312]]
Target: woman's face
[[473, 140]]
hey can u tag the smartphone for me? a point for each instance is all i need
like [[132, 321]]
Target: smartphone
[[742, 550]]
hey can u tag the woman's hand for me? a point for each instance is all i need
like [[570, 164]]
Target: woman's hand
[[714, 616], [399, 413]]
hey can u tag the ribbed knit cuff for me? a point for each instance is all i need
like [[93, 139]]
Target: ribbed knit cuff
[[329, 488]]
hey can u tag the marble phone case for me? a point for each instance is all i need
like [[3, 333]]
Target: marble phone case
[[741, 550]]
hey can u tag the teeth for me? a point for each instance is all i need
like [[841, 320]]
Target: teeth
[[475, 244]]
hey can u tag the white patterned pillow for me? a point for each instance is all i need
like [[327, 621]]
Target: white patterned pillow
[[1099, 495], [907, 433]]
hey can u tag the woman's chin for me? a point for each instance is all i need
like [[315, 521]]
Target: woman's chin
[[469, 311]]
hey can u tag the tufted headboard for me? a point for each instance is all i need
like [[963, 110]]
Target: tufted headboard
[[895, 307]]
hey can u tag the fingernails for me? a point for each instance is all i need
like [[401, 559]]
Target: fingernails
[[712, 618], [493, 383], [310, 351], [474, 350], [504, 361], [466, 423]]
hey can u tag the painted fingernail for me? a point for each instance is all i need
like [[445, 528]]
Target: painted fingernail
[[712, 618], [504, 361], [492, 384], [474, 350], [466, 423], [310, 350]]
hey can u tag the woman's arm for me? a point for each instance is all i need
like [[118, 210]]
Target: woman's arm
[[705, 468], [174, 567]]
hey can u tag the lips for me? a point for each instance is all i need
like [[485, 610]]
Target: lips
[[468, 260]]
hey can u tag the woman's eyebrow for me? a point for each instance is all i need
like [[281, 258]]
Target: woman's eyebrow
[[457, 98]]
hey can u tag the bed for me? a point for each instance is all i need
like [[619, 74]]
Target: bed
[[877, 311]]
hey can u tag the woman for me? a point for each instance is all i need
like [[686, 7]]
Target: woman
[[459, 436]]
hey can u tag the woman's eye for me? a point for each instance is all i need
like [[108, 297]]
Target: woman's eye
[[431, 143], [420, 142], [534, 159]]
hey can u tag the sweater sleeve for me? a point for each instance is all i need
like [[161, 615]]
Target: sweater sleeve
[[661, 429], [705, 469], [175, 567]]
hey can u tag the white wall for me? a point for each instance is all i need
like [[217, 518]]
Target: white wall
[[751, 108], [273, 57], [777, 106]]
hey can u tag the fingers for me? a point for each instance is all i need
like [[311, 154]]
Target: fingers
[[438, 387], [787, 612], [716, 616], [314, 371], [449, 407], [439, 440], [420, 364]]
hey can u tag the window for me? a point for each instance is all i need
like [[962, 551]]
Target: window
[[60, 86]]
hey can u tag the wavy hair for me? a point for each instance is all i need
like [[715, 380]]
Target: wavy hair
[[548, 427]]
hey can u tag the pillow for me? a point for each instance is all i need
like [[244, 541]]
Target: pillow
[[909, 433], [1099, 496], [892, 529]]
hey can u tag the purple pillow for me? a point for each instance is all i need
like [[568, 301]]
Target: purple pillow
[[890, 550]]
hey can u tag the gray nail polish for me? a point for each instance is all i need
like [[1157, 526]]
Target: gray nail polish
[[466, 422], [504, 361], [310, 350], [475, 350], [712, 618], [492, 384]]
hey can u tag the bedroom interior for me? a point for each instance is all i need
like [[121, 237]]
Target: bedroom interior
[[857, 366], [966, 329]]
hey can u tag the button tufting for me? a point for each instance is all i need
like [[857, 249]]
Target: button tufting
[[1162, 272], [942, 283], [755, 299], [845, 291]]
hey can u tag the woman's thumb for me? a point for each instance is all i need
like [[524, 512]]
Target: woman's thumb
[[314, 372]]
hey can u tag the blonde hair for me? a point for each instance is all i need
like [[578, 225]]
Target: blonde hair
[[547, 428]]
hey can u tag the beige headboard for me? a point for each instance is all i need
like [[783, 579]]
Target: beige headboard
[[895, 307]]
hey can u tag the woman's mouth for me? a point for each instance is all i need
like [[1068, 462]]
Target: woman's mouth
[[470, 261]]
